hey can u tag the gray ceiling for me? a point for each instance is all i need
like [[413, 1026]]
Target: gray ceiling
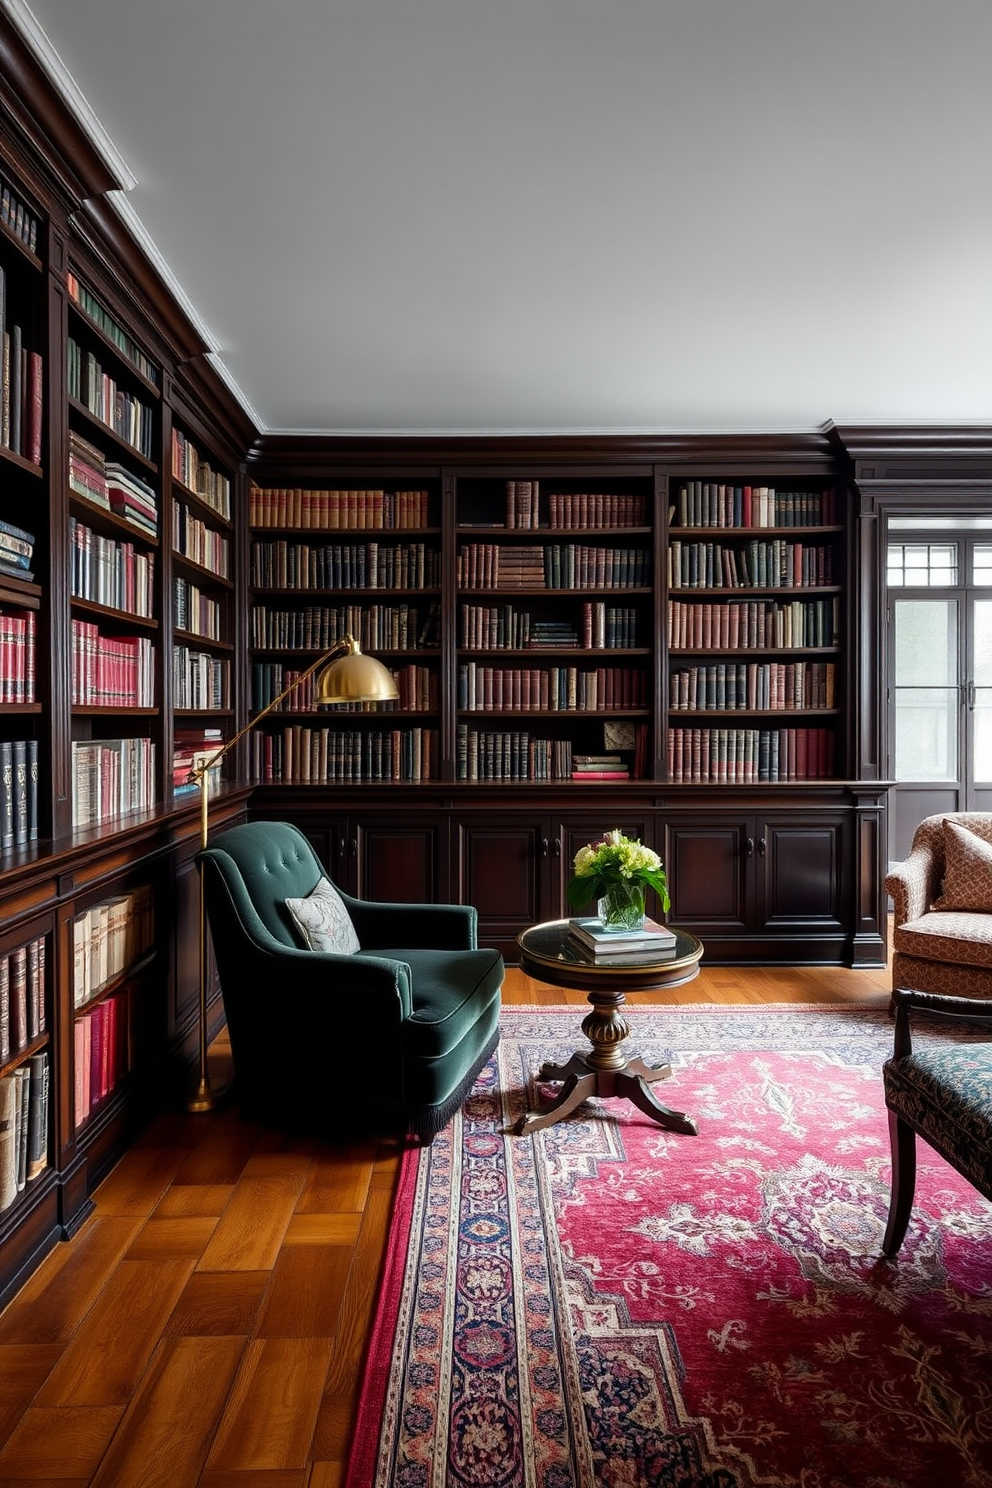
[[563, 215]]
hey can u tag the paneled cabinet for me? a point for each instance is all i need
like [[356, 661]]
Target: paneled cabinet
[[779, 876]]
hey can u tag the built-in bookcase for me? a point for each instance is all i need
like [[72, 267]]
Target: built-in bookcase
[[756, 585], [25, 1062], [23, 514], [325, 563], [203, 598], [115, 497], [554, 588]]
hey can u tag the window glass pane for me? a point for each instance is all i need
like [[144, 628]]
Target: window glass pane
[[922, 565], [982, 564], [926, 643], [982, 714], [926, 733]]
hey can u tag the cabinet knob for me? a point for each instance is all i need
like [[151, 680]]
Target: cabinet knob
[[544, 847], [353, 847], [749, 847], [556, 847], [761, 847]]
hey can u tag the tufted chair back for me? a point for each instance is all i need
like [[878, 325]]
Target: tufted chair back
[[276, 863]]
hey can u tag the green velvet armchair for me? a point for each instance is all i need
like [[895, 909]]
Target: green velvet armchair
[[386, 1036]]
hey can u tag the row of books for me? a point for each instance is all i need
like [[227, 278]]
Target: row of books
[[510, 754], [100, 1053], [323, 756], [111, 485], [18, 793], [401, 627], [329, 511], [111, 671], [99, 393], [753, 685], [111, 777], [198, 613], [18, 218], [111, 573], [550, 689], [523, 503], [652, 942], [101, 316], [16, 551], [23, 1127], [197, 474], [567, 509], [716, 504], [21, 395], [201, 544], [200, 680], [22, 997], [108, 938], [371, 565], [604, 627], [18, 645], [741, 756], [551, 566], [417, 687], [755, 564], [753, 624]]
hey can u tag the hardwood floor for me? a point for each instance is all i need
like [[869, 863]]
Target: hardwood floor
[[207, 1324]]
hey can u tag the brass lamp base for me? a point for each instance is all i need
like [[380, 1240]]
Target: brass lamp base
[[205, 1096]]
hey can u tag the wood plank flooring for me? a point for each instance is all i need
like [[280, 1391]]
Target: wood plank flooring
[[206, 1327]]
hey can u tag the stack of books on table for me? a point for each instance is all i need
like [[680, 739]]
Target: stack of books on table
[[653, 942]]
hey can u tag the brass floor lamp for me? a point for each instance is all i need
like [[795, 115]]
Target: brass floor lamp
[[349, 676]]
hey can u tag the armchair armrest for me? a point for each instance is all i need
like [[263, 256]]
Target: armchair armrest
[[440, 927], [911, 884], [905, 998]]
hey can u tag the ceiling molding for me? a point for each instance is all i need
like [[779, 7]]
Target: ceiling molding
[[70, 93]]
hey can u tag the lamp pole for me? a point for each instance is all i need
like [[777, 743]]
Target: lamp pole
[[361, 678]]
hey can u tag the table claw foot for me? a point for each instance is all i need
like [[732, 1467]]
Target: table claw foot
[[648, 1072], [636, 1090], [575, 1066], [576, 1089]]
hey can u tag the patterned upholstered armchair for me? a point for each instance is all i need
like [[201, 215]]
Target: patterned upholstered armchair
[[942, 898], [944, 1094]]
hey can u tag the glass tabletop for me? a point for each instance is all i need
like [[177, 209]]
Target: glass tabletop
[[551, 947]]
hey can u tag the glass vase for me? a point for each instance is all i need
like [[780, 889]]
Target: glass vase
[[622, 906]]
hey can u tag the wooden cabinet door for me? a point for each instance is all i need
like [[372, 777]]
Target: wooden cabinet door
[[799, 864], [502, 868], [708, 880], [399, 862]]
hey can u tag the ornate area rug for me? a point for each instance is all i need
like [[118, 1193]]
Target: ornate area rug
[[605, 1303]]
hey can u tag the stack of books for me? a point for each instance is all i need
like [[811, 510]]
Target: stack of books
[[599, 767], [16, 551], [653, 942]]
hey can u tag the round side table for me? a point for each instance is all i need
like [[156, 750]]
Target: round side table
[[548, 954]]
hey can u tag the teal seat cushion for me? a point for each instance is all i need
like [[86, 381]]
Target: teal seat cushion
[[456, 1003], [944, 1095]]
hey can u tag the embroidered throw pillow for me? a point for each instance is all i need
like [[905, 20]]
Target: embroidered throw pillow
[[324, 921], [967, 871]]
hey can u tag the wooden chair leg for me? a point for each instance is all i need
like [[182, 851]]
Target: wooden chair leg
[[902, 1140]]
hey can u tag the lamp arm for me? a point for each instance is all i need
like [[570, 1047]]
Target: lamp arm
[[199, 772]]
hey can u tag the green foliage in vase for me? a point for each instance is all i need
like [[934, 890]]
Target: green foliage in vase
[[615, 859]]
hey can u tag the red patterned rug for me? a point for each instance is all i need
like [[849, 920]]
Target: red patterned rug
[[605, 1303]]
